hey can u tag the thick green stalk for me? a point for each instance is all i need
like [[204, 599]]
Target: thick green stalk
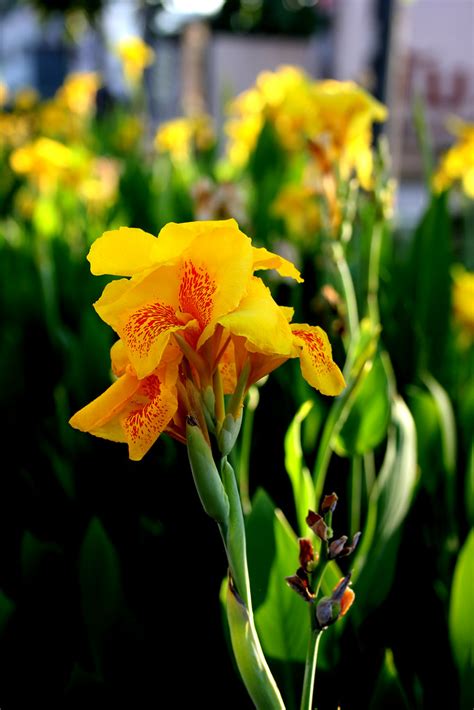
[[248, 652], [310, 665]]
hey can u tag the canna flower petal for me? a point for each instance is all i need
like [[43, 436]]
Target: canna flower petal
[[315, 353], [261, 321], [144, 311], [264, 259], [132, 411], [122, 252]]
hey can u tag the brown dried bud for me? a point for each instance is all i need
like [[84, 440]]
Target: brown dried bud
[[348, 549], [300, 586], [317, 525], [336, 547], [329, 503], [306, 553]]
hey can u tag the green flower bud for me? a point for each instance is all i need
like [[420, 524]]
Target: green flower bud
[[228, 434], [206, 476]]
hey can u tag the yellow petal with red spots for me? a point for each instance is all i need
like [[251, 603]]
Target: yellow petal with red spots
[[148, 414], [132, 411], [315, 353], [122, 252], [264, 259], [100, 416], [216, 270], [145, 311], [261, 321]]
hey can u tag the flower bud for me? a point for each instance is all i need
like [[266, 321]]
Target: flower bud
[[317, 525], [206, 476], [228, 434], [330, 609]]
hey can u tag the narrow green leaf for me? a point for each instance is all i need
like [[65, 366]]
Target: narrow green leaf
[[281, 616], [7, 607], [389, 503], [470, 486], [300, 477], [389, 693], [461, 619], [366, 425]]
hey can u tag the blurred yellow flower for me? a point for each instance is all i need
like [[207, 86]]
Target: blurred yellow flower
[[98, 188], [463, 300], [297, 206], [335, 116], [78, 92], [48, 163], [342, 128], [180, 136], [135, 56], [457, 164], [282, 97], [26, 99], [14, 130], [3, 94]]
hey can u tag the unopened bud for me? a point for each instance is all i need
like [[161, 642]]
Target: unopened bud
[[336, 547], [317, 525], [330, 609], [206, 476], [300, 585], [306, 553], [228, 434], [329, 503]]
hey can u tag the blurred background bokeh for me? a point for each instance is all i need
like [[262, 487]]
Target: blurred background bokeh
[[116, 112]]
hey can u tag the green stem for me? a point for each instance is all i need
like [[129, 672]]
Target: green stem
[[245, 447], [356, 493], [374, 273], [248, 652], [348, 290], [310, 665]]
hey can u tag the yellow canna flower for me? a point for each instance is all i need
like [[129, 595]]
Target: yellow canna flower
[[193, 310], [26, 99], [342, 127], [297, 206], [457, 164], [335, 116], [180, 136], [463, 300], [48, 163], [135, 56], [78, 92]]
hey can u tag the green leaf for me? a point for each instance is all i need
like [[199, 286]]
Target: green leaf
[[461, 619], [281, 616], [7, 607], [431, 283], [300, 477], [366, 425], [389, 693], [389, 503], [100, 583], [470, 485]]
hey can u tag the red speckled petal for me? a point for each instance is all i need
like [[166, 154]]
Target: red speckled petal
[[317, 366]]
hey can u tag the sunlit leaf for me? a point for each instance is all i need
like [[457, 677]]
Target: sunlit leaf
[[300, 477], [461, 619], [388, 505]]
